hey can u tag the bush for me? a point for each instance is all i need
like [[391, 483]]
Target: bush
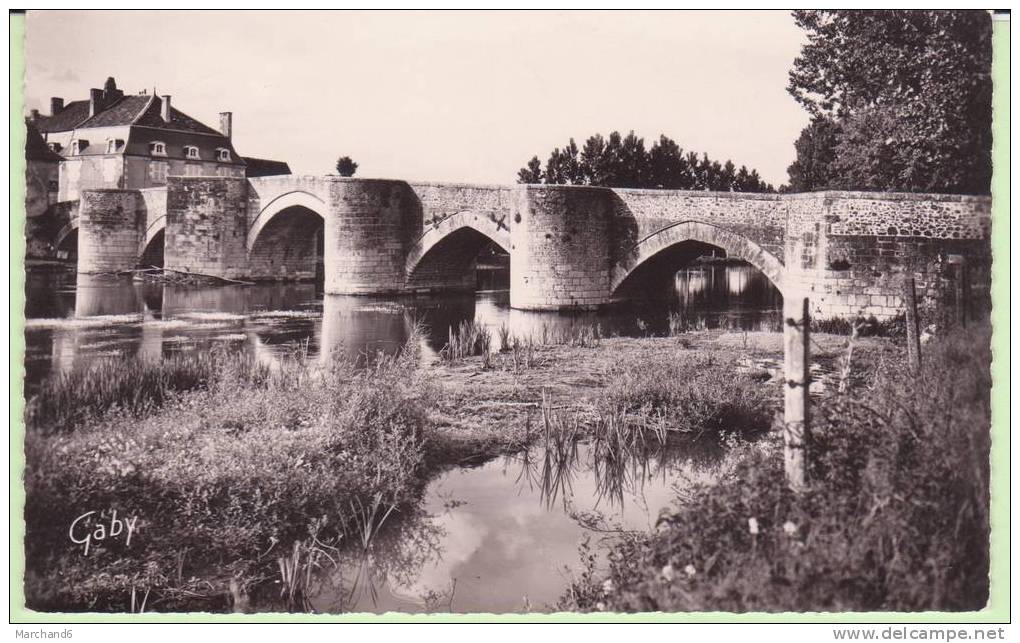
[[896, 519], [223, 481], [698, 394]]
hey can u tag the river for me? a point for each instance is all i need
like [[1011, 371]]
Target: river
[[72, 319]]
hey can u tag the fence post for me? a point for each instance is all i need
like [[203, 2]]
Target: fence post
[[796, 419], [913, 331]]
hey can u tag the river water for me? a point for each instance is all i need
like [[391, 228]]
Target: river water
[[72, 319], [505, 536], [502, 536]]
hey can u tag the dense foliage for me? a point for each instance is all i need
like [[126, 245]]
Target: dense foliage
[[624, 162], [896, 519], [345, 166], [900, 100]]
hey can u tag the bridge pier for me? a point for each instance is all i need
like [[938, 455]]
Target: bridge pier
[[109, 226], [369, 224], [206, 225], [560, 239]]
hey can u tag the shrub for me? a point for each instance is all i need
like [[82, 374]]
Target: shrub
[[896, 519]]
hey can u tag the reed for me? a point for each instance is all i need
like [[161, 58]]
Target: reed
[[133, 385], [469, 339]]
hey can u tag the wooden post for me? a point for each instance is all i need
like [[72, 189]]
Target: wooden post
[[913, 331], [796, 419]]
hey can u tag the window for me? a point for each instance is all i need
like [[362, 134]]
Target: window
[[114, 145], [56, 147], [190, 151], [193, 169], [157, 172], [157, 148], [222, 154], [78, 146]]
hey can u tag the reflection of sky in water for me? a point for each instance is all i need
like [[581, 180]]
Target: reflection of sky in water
[[73, 319], [498, 538]]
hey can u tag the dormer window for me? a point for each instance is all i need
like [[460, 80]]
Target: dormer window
[[190, 152], [157, 148], [78, 146], [222, 154], [56, 147], [114, 145]]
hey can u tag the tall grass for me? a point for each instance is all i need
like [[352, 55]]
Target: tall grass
[[469, 339], [896, 517], [132, 385], [233, 474]]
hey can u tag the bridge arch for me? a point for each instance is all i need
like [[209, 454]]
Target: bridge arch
[[706, 234], [67, 238], [442, 256], [285, 239]]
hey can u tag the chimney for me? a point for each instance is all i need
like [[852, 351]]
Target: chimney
[[95, 101], [226, 122], [56, 105], [165, 111], [34, 115]]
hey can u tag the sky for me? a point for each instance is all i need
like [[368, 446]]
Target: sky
[[442, 96]]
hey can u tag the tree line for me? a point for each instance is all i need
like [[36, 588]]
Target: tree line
[[900, 100], [624, 162]]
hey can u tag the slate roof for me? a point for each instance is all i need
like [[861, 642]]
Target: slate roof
[[68, 118], [178, 120], [264, 167], [123, 112], [36, 148]]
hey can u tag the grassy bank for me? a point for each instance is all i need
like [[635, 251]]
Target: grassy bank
[[896, 519], [244, 478], [237, 482]]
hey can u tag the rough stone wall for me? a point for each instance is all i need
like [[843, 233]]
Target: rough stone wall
[[560, 247], [286, 247], [856, 248], [758, 217], [110, 223], [442, 200], [370, 226], [206, 225], [265, 189]]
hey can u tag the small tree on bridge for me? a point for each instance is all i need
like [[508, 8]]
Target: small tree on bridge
[[345, 166]]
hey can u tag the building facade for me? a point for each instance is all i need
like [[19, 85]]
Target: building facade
[[118, 141]]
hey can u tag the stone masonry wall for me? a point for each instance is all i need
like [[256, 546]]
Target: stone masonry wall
[[560, 247], [206, 225], [110, 223], [858, 248], [370, 225]]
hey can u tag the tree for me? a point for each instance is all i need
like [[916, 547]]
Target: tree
[[532, 173], [625, 162], [909, 94], [345, 166], [816, 148]]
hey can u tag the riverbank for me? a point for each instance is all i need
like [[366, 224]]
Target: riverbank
[[244, 478], [896, 519]]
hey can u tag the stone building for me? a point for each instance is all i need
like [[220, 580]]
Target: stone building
[[114, 140]]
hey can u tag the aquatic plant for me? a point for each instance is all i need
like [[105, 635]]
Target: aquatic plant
[[469, 339]]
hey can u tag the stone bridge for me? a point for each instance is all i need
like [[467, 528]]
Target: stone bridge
[[570, 246]]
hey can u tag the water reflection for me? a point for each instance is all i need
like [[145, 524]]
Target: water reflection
[[496, 538], [72, 319]]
